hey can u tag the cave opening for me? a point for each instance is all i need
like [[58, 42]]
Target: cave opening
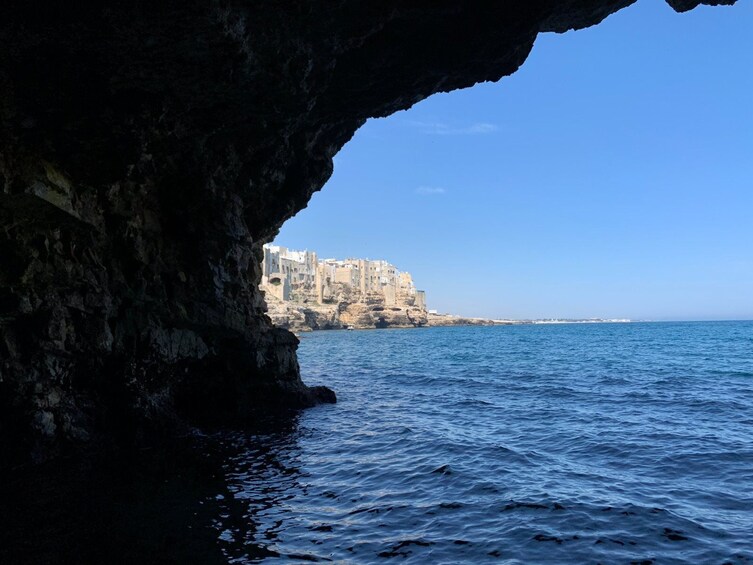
[[142, 171], [576, 188], [147, 152]]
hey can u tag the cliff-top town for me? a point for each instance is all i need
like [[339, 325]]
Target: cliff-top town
[[305, 293], [299, 276]]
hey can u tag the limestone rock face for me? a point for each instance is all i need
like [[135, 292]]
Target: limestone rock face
[[363, 316], [147, 150], [435, 320], [299, 317], [303, 317]]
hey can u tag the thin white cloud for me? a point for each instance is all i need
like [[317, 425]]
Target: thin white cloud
[[430, 190], [480, 128], [440, 128]]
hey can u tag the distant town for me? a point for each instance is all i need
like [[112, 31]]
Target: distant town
[[306, 293], [300, 275]]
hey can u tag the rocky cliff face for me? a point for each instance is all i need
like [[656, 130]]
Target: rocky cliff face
[[147, 150], [343, 314]]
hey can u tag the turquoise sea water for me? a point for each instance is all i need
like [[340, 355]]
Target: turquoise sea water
[[603, 443]]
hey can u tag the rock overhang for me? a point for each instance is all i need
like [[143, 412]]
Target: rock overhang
[[146, 153]]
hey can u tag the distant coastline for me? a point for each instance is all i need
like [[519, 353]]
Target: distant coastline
[[307, 317], [579, 321], [304, 293]]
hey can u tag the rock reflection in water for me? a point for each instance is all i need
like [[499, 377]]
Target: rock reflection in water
[[158, 505], [261, 472]]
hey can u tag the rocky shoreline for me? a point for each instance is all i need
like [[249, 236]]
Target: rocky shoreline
[[310, 316], [436, 320]]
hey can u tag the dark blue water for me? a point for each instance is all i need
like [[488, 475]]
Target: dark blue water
[[612, 443]]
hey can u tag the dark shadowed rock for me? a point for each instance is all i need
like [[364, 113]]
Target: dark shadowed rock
[[148, 150]]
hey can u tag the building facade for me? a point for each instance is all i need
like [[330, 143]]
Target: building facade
[[299, 275]]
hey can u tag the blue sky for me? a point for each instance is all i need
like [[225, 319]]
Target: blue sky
[[612, 176]]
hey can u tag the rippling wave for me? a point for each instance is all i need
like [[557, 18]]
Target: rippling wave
[[619, 443]]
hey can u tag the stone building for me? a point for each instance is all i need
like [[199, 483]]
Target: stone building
[[278, 286], [295, 267], [421, 300], [299, 275]]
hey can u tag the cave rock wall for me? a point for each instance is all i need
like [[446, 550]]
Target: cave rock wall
[[147, 150]]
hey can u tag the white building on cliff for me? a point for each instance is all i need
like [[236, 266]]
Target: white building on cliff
[[285, 272], [284, 269]]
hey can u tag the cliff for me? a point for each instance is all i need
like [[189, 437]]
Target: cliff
[[148, 150], [342, 314], [434, 320], [307, 316]]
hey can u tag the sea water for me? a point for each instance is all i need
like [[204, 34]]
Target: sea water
[[580, 443]]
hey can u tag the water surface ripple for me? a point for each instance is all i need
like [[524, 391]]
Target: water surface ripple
[[612, 443]]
